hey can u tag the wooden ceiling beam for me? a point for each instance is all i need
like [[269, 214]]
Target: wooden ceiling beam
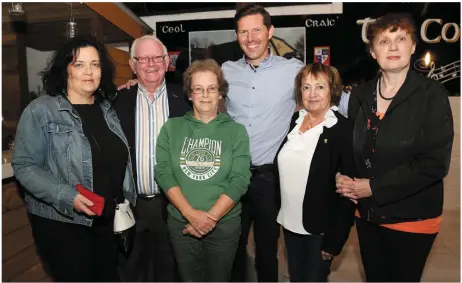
[[118, 17], [49, 12]]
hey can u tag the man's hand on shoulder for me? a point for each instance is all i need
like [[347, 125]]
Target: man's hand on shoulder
[[129, 84]]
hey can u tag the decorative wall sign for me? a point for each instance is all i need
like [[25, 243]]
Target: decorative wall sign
[[173, 56], [286, 42], [437, 29], [322, 55], [216, 38]]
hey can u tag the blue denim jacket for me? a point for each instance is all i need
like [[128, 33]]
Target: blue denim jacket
[[52, 155]]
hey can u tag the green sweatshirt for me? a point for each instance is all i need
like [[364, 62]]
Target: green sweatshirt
[[204, 160]]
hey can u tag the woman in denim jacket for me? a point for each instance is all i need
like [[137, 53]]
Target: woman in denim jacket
[[67, 137]]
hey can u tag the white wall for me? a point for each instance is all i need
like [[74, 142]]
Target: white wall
[[122, 46], [314, 9], [36, 62]]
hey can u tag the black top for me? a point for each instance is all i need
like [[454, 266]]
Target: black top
[[412, 150], [109, 157]]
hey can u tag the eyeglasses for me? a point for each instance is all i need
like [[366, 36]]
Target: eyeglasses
[[200, 89], [155, 59]]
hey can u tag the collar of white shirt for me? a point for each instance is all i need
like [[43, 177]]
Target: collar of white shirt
[[329, 118]]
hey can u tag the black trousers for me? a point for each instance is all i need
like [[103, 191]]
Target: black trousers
[[392, 256], [152, 257], [304, 258], [260, 205], [76, 253]]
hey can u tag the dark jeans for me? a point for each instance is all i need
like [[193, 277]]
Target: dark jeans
[[152, 257], [260, 205], [210, 258], [76, 253], [304, 258], [391, 256]]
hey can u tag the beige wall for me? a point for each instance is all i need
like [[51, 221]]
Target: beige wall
[[452, 181]]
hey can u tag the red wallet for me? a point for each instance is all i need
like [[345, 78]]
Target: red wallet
[[98, 201]]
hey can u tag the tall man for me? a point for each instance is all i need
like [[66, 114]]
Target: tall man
[[261, 97], [142, 111]]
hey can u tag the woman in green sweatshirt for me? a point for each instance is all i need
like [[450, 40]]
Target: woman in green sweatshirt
[[203, 163]]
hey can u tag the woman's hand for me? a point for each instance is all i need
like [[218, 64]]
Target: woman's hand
[[345, 186], [354, 189], [189, 229], [129, 84], [81, 204], [362, 188], [201, 221], [343, 182]]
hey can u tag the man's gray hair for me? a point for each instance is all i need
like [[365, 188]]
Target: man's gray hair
[[148, 36]]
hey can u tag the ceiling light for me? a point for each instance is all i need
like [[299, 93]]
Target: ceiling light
[[71, 26], [16, 9]]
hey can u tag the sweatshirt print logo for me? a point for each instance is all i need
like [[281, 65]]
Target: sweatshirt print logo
[[200, 158]]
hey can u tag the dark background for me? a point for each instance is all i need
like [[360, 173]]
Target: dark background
[[348, 51], [166, 8], [358, 64]]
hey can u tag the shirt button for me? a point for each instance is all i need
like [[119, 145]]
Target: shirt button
[[250, 125], [253, 87]]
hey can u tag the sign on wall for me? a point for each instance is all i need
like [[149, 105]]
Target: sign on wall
[[437, 53], [301, 36], [294, 36], [322, 55]]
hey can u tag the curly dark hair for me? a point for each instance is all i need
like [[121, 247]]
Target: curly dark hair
[[54, 76]]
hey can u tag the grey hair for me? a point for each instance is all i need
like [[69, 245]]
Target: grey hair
[[148, 36]]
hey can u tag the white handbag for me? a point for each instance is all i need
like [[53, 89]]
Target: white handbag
[[123, 219]]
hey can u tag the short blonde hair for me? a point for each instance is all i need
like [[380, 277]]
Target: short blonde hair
[[317, 69], [204, 66]]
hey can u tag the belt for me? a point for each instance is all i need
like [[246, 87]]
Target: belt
[[149, 197], [259, 169]]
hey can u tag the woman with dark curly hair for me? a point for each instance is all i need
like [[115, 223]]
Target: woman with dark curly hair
[[71, 136]]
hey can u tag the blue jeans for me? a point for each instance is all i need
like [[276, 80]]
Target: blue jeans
[[304, 258]]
